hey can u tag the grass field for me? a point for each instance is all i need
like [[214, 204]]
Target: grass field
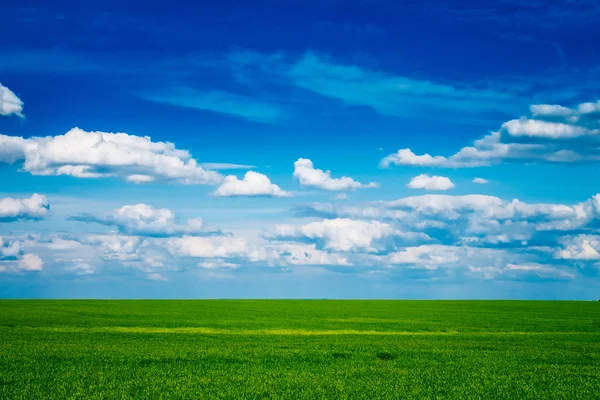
[[299, 349]]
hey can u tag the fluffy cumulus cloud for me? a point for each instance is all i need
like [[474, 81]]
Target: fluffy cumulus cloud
[[14, 209], [308, 175], [83, 154], [30, 262], [552, 134], [473, 220], [10, 103], [484, 237], [580, 247], [253, 184], [342, 234], [13, 258], [427, 182], [145, 220], [212, 247]]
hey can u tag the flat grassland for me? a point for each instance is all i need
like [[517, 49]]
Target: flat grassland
[[299, 349]]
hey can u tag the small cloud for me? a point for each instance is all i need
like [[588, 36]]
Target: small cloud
[[10, 103], [33, 208], [157, 277], [221, 166], [82, 268], [308, 175], [30, 262], [144, 220], [253, 184], [217, 263], [480, 181], [341, 196], [137, 178], [427, 182]]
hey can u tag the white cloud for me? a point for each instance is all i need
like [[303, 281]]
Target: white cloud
[[114, 247], [540, 270], [9, 247], [253, 184], [446, 205], [13, 209], [30, 262], [338, 234], [544, 129], [157, 277], [82, 268], [10, 103], [550, 110], [426, 256], [145, 220], [307, 175], [407, 157], [226, 166], [139, 178], [307, 254], [518, 270], [427, 182], [209, 247], [581, 247], [556, 134], [99, 154], [217, 263], [14, 259], [589, 108], [473, 220], [481, 181]]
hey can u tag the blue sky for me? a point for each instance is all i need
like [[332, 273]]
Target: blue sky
[[356, 149]]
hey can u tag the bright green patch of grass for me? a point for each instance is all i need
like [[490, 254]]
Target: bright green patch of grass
[[299, 349]]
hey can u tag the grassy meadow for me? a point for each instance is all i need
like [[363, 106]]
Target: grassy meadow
[[296, 349]]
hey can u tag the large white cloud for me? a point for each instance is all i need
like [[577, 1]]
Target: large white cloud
[[308, 175], [99, 154], [475, 220], [253, 184], [553, 134], [342, 234], [10, 103], [34, 207], [427, 182], [215, 247], [145, 220]]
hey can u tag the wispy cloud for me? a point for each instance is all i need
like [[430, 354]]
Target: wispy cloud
[[386, 93], [220, 102]]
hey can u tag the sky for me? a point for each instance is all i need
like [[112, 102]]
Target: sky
[[300, 149]]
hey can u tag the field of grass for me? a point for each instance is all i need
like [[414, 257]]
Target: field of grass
[[299, 349]]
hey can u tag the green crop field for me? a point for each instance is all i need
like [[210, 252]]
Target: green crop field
[[299, 349]]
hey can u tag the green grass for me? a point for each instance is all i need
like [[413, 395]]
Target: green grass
[[299, 349]]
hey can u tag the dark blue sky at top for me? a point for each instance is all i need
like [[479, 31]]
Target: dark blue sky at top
[[95, 60]]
